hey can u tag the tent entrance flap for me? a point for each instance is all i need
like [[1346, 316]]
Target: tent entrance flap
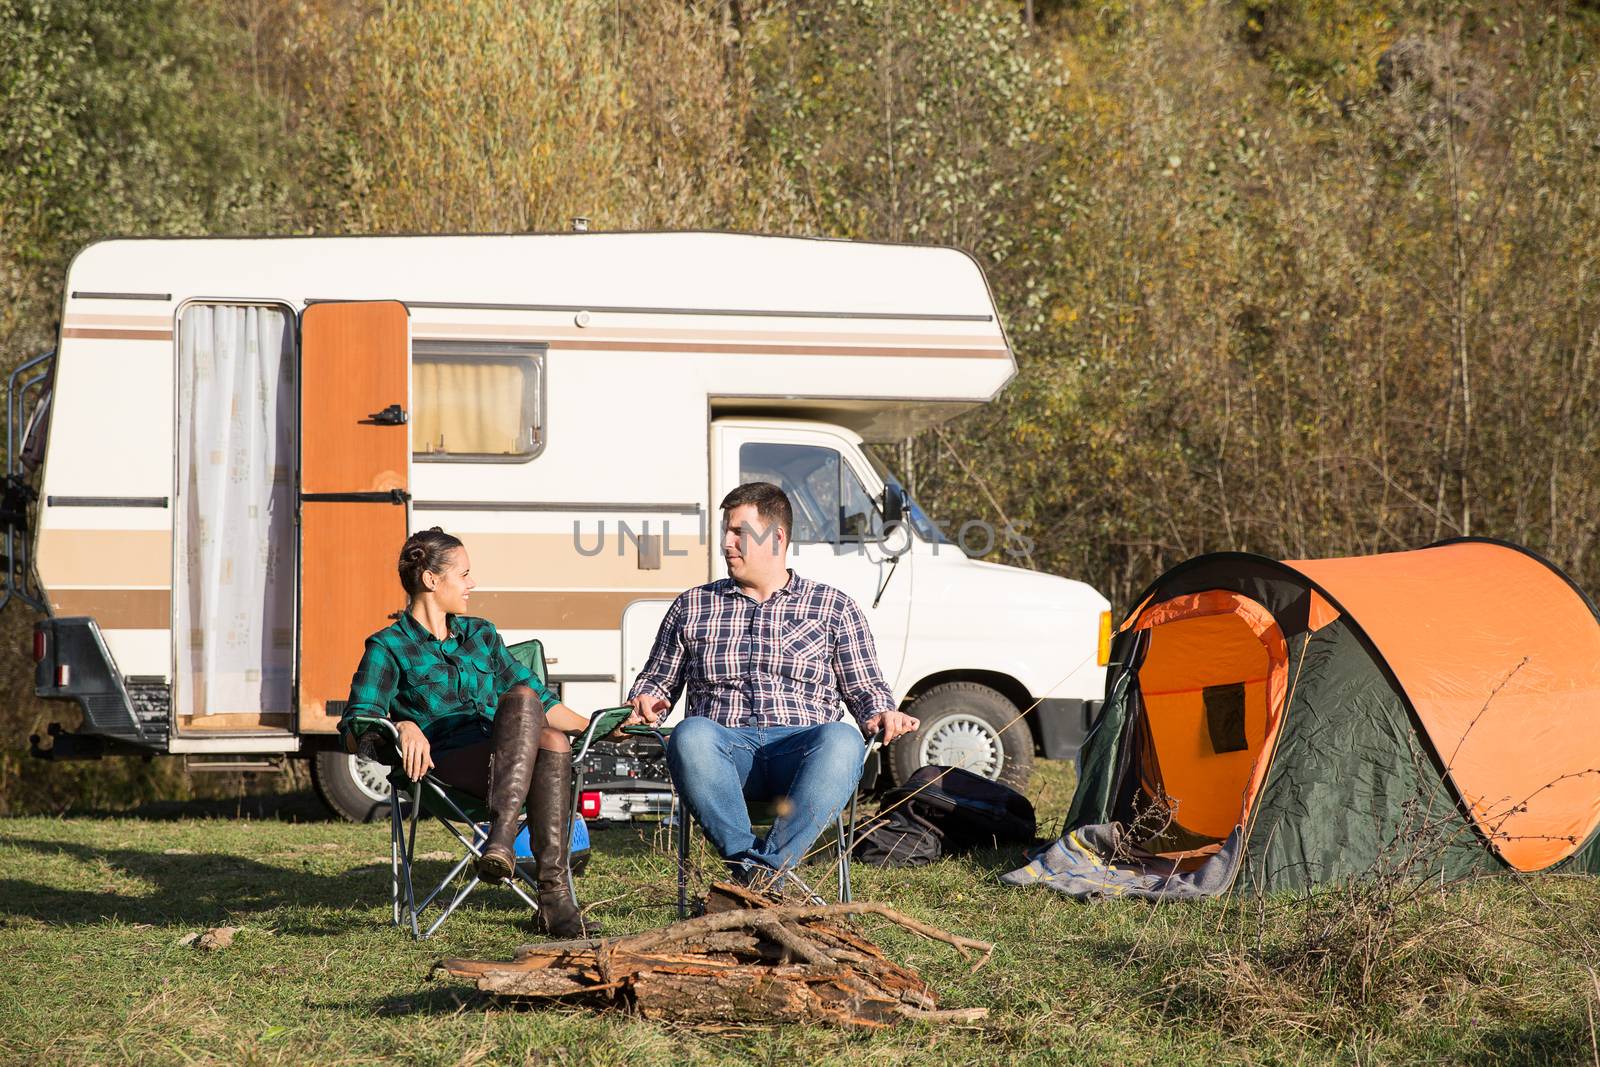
[[1212, 683]]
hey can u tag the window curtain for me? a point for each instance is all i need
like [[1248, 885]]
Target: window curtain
[[471, 407], [234, 624]]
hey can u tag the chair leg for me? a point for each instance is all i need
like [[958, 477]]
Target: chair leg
[[685, 824], [847, 845], [407, 854], [396, 835], [406, 908], [844, 860], [573, 809], [455, 902]]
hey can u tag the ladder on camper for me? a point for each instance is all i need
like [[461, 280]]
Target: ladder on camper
[[27, 412]]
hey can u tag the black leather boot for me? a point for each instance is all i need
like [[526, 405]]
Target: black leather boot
[[518, 721], [550, 827]]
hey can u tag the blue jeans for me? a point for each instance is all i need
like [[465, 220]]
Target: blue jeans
[[718, 768]]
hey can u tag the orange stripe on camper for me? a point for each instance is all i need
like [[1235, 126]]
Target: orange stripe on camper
[[1216, 641], [1503, 669]]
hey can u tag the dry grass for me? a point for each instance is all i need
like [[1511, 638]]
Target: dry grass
[[92, 911]]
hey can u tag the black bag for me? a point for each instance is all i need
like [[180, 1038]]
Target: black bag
[[956, 809], [899, 839]]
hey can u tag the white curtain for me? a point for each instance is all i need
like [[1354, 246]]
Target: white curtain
[[234, 618]]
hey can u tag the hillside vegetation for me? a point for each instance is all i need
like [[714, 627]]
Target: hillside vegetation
[[1290, 276]]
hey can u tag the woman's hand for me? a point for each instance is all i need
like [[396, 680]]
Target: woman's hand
[[416, 755]]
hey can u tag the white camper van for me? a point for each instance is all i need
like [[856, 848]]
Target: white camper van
[[233, 437]]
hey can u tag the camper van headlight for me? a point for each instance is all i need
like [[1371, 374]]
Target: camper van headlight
[[1102, 654]]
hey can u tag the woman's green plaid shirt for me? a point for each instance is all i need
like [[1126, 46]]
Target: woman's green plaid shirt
[[407, 673]]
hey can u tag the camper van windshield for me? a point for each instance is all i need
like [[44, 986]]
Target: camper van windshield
[[914, 514]]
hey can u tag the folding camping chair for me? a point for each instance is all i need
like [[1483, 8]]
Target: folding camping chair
[[761, 813], [461, 814]]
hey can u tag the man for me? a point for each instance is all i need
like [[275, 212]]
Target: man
[[767, 656]]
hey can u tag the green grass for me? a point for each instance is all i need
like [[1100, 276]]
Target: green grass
[[92, 910]]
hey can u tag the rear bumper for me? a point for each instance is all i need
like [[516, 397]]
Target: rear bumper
[[117, 716], [624, 805]]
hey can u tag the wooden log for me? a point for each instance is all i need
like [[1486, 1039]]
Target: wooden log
[[620, 963], [728, 896], [686, 931], [763, 996]]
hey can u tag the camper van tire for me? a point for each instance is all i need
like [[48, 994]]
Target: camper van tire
[[966, 725], [353, 788]]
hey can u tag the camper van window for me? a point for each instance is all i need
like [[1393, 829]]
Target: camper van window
[[858, 515], [830, 503], [477, 401]]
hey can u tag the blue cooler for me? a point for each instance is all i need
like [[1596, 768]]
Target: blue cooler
[[580, 845]]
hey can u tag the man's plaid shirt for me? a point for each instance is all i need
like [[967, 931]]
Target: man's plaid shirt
[[786, 662], [442, 686]]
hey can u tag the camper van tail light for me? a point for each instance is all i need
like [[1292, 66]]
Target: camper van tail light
[[41, 646], [1102, 654], [589, 805], [63, 676]]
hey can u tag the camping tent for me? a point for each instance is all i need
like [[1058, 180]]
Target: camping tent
[[1286, 724]]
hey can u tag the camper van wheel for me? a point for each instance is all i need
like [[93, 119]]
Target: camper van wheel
[[966, 725], [353, 788]]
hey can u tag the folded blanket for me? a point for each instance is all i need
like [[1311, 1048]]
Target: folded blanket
[[1079, 865]]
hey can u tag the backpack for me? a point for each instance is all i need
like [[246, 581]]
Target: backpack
[[945, 809], [899, 839]]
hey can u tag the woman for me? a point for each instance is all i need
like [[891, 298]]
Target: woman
[[471, 713]]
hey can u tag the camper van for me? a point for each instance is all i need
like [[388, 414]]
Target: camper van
[[210, 478]]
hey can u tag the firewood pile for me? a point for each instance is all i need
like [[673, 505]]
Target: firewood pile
[[750, 959]]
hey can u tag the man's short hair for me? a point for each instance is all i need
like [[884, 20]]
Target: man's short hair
[[771, 503]]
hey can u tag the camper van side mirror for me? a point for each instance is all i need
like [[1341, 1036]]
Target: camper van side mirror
[[894, 503], [896, 534]]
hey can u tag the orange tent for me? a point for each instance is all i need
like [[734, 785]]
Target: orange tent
[[1325, 710]]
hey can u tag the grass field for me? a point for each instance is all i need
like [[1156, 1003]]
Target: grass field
[[93, 909]]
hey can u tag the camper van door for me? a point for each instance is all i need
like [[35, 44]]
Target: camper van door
[[838, 528], [355, 478]]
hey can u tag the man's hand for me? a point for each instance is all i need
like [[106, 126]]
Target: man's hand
[[647, 709], [416, 755], [893, 724]]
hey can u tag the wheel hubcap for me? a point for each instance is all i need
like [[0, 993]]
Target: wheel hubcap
[[371, 777], [964, 741]]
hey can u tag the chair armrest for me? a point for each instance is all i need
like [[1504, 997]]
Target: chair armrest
[[385, 725], [601, 723], [380, 731]]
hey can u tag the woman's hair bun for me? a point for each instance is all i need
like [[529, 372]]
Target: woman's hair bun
[[426, 550]]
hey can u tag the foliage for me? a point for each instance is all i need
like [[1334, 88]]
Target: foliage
[[498, 116], [1300, 326], [908, 120], [122, 116], [1298, 277]]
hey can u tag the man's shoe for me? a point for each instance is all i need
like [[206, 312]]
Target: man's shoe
[[754, 876]]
